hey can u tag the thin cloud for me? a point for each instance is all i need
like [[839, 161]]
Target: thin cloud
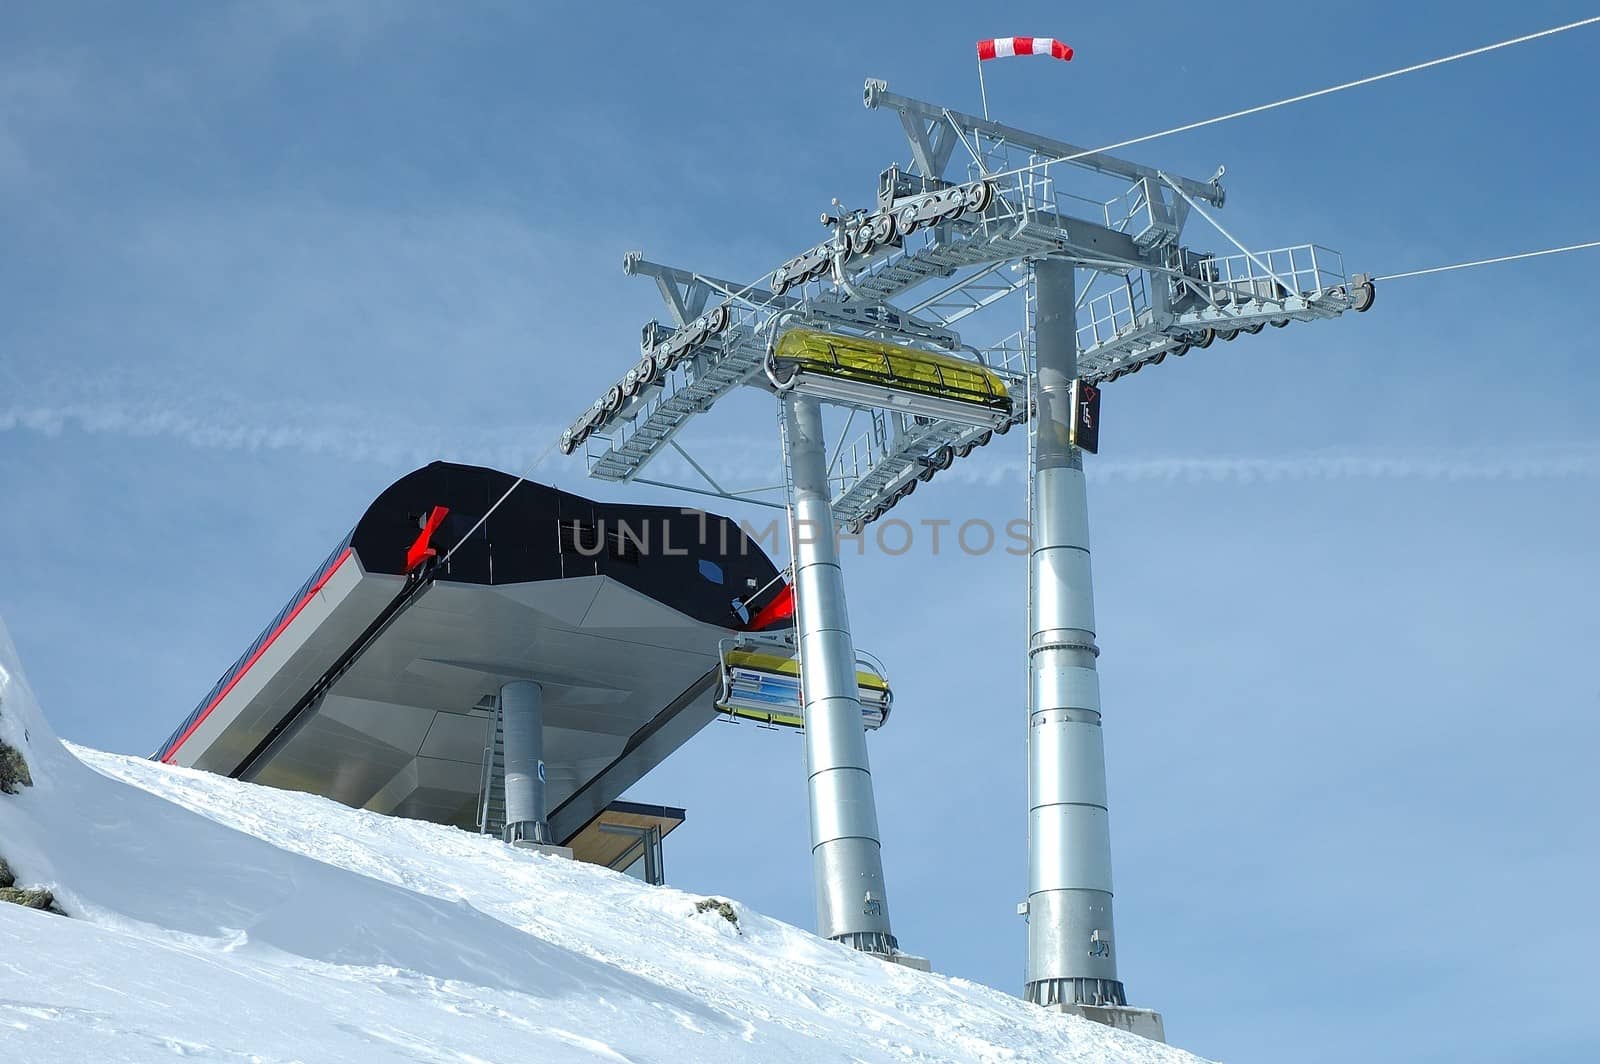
[[1475, 465], [514, 447], [1532, 463], [339, 438]]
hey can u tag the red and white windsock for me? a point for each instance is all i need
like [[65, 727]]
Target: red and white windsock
[[1001, 47]]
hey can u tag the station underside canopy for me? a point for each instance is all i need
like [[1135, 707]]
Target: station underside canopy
[[375, 685]]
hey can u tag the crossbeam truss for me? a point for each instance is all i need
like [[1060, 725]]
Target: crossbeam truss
[[946, 241]]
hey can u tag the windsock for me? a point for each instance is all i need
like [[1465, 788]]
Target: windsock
[[1001, 47]]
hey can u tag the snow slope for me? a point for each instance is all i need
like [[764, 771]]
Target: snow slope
[[228, 922]]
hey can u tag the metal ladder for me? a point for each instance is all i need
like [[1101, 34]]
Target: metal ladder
[[492, 777], [1030, 301]]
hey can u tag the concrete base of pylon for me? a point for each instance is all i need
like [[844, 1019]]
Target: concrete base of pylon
[[1143, 1022], [910, 960]]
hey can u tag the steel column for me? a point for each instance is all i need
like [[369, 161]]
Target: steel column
[[1071, 947], [522, 719], [852, 904]]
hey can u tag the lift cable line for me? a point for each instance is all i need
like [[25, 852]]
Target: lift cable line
[[515, 484], [1045, 164], [1488, 262]]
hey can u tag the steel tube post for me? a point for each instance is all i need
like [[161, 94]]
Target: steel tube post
[[846, 858], [1071, 948], [522, 718]]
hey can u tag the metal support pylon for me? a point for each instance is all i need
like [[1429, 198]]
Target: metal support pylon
[[522, 722], [934, 249], [846, 857], [1071, 944]]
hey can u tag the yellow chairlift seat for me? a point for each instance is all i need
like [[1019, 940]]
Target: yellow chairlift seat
[[854, 370], [764, 686]]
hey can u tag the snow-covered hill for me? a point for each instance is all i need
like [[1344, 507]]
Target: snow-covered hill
[[223, 921]]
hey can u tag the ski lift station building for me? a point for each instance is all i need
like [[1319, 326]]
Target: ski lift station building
[[383, 682]]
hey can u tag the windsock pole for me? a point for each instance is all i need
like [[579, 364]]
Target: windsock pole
[[1004, 47]]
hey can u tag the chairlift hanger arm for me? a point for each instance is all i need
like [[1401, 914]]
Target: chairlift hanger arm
[[913, 111]]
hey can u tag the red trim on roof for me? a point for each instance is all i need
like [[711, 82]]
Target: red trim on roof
[[309, 595], [781, 608], [420, 551]]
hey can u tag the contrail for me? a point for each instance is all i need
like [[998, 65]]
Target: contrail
[[402, 444], [742, 460], [745, 463], [1479, 464]]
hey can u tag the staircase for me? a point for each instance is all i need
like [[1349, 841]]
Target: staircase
[[492, 779]]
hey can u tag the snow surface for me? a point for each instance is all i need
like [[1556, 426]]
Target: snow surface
[[224, 921]]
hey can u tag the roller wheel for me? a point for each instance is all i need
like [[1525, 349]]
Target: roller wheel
[[780, 282], [964, 449], [1206, 336], [1253, 329], [568, 444], [882, 228], [1003, 428], [906, 220], [944, 457], [647, 369], [978, 197], [1363, 297], [1228, 335], [906, 489], [983, 438], [613, 399], [1158, 359], [1181, 350], [719, 319], [630, 383], [1280, 323]]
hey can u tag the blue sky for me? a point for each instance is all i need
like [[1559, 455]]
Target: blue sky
[[261, 259]]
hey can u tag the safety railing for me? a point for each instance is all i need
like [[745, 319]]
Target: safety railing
[[1307, 270], [1129, 212], [486, 773], [1122, 308], [1008, 357], [854, 460]]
